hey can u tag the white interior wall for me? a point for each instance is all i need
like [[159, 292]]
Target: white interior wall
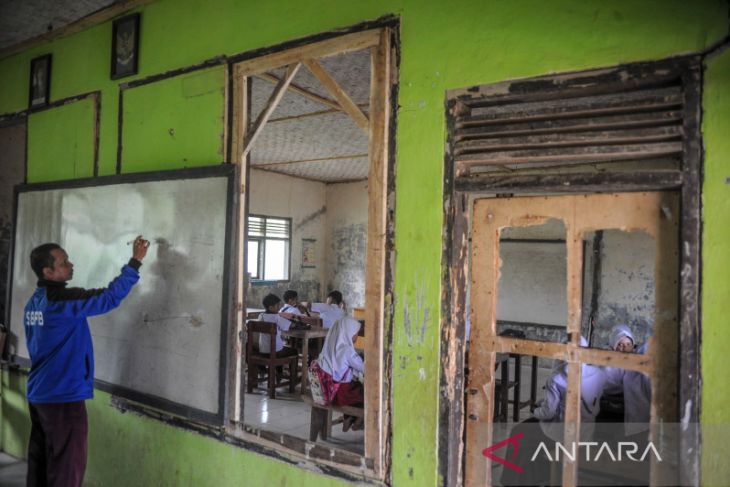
[[627, 286], [303, 201], [347, 228], [533, 275]]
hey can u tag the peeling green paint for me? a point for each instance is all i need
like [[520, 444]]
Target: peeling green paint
[[716, 268]]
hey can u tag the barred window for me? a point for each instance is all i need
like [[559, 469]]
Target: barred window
[[269, 248]]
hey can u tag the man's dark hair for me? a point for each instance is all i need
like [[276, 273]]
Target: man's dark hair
[[40, 258], [336, 297], [270, 300], [289, 295]]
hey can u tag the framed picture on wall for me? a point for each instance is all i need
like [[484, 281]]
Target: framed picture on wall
[[125, 46], [40, 81], [309, 259]]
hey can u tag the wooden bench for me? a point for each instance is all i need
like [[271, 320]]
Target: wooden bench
[[321, 417]]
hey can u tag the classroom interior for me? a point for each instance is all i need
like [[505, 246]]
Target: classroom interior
[[307, 219], [493, 189]]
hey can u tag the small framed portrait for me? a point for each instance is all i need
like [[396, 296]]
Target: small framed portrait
[[40, 81], [125, 46]]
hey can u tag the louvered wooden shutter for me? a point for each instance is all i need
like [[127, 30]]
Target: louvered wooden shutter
[[583, 123]]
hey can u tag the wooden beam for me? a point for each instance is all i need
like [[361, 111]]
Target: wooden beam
[[329, 47], [306, 161], [301, 91], [577, 155], [311, 114], [235, 375], [343, 98], [547, 141], [273, 102], [572, 125], [376, 427], [577, 182], [564, 113]]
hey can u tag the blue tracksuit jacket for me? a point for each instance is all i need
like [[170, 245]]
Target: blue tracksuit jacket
[[58, 336]]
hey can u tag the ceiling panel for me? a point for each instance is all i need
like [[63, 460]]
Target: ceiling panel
[[326, 171], [351, 71], [330, 135], [21, 20]]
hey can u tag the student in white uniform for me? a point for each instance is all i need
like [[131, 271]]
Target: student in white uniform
[[550, 414], [332, 310], [291, 304], [551, 411], [272, 304], [340, 369], [635, 386]]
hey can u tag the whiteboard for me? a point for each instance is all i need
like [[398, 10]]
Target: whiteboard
[[166, 343]]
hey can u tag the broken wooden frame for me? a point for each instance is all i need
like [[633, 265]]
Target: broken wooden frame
[[461, 190], [379, 242], [657, 214]]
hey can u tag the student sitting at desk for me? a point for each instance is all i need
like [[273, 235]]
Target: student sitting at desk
[[291, 304], [332, 310], [272, 303], [338, 369]]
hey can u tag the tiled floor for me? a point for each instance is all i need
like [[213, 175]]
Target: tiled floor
[[12, 471], [288, 414]]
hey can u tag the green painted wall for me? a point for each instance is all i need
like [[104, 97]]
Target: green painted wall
[[716, 268], [444, 45], [61, 142], [177, 122], [15, 427]]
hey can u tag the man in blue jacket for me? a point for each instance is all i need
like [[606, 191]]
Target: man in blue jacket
[[61, 375]]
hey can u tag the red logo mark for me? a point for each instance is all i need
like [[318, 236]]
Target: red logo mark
[[487, 452]]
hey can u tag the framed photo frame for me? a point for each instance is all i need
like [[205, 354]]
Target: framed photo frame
[[309, 258], [125, 46], [40, 81]]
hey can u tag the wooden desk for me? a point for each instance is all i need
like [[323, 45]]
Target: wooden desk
[[315, 332]]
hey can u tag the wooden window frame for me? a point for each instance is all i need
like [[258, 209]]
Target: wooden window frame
[[460, 191], [382, 41]]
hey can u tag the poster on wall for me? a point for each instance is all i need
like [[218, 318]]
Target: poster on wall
[[309, 259]]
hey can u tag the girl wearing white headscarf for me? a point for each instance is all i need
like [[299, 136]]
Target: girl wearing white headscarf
[[338, 364], [550, 414], [635, 386], [338, 357], [551, 411]]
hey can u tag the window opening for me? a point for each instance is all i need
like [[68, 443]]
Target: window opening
[[311, 127], [269, 248], [608, 390]]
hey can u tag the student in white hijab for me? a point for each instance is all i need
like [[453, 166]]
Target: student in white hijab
[[550, 414], [338, 357], [339, 368], [551, 411], [635, 386]]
